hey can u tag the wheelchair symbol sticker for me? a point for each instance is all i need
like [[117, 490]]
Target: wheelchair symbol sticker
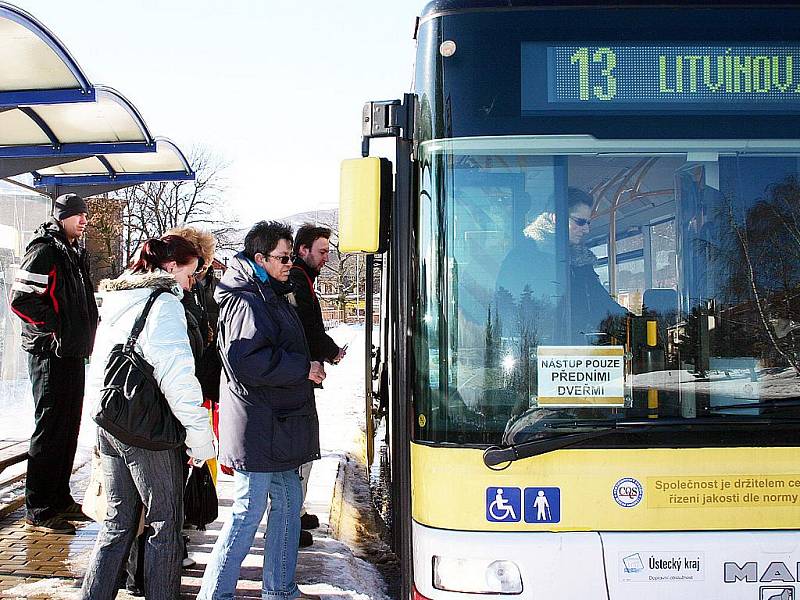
[[503, 505], [542, 505]]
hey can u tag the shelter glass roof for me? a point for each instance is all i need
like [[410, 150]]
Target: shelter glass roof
[[29, 63], [69, 133], [36, 67], [111, 118], [167, 158]]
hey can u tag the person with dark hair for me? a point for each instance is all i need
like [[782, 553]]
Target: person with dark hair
[[134, 476], [199, 339], [529, 270], [54, 296], [268, 420], [196, 320], [592, 310], [311, 251]]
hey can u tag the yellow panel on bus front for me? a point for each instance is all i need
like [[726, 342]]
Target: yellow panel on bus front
[[360, 205], [657, 489]]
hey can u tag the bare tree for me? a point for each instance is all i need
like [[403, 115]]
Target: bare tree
[[150, 209], [756, 256], [343, 268]]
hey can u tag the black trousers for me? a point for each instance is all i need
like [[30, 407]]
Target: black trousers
[[58, 397]]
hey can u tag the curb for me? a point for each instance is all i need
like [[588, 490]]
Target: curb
[[337, 500]]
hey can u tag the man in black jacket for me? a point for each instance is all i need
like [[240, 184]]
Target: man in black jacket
[[54, 296], [311, 249]]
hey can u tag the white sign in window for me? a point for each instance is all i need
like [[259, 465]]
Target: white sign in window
[[581, 375]]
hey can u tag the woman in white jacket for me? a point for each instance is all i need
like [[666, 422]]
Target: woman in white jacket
[[137, 476]]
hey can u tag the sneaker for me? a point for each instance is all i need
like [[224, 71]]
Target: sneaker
[[306, 539], [309, 521], [51, 525], [73, 512], [187, 562], [134, 590], [306, 596]]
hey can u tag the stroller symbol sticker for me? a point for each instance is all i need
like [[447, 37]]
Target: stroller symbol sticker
[[503, 504]]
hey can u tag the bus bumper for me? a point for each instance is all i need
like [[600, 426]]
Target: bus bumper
[[751, 565]]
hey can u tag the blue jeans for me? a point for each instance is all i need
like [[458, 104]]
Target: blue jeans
[[250, 493], [135, 477]]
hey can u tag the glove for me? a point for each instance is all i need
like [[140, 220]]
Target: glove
[[202, 453]]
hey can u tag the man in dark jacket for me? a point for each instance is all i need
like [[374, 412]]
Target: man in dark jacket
[[268, 421], [311, 250], [54, 296]]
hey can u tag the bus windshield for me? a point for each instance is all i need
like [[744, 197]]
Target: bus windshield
[[569, 282]]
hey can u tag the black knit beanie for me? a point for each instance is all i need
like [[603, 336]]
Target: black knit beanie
[[69, 205]]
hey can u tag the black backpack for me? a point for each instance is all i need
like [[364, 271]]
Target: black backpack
[[132, 406]]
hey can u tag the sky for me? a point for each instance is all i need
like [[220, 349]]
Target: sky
[[273, 87]]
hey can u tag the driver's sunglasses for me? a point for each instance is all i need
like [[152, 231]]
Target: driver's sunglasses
[[580, 221], [200, 265], [283, 258]]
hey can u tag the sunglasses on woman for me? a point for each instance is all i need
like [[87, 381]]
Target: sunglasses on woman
[[581, 222]]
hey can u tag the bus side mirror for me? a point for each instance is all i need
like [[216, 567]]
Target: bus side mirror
[[365, 192]]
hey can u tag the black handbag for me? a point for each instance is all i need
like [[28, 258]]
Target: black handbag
[[132, 406], [200, 506]]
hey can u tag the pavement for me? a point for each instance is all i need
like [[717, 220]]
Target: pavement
[[38, 565]]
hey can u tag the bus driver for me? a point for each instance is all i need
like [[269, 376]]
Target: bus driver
[[592, 309], [592, 312]]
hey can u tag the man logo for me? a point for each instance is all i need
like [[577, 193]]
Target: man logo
[[748, 572], [776, 593]]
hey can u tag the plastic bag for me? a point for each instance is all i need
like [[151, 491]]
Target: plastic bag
[[199, 498], [94, 501]]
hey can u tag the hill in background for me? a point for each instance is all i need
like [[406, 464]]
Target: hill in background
[[328, 217]]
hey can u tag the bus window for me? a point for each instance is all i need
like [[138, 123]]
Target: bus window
[[663, 257], [690, 267]]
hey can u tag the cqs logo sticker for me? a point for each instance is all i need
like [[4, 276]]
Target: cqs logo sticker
[[628, 492]]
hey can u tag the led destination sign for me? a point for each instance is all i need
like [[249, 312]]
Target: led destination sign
[[601, 76]]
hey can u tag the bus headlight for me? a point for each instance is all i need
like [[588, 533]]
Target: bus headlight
[[476, 576]]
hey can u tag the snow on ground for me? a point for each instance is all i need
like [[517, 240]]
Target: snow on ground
[[738, 382], [340, 405], [16, 404], [16, 401], [45, 589], [340, 402]]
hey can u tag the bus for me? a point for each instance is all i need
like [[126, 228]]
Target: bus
[[588, 357]]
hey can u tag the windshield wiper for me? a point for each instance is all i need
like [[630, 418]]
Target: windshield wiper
[[496, 455], [794, 403]]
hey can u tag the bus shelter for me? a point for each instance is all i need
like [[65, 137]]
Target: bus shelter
[[65, 134]]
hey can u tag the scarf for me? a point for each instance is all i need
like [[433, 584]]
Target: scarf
[[581, 256]]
